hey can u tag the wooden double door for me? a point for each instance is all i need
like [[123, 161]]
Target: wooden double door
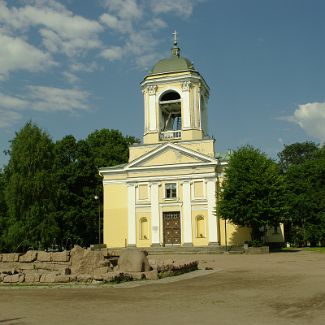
[[172, 228]]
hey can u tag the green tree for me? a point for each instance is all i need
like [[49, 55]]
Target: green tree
[[253, 193], [3, 210], [76, 208], [29, 190], [295, 154], [305, 182], [110, 147]]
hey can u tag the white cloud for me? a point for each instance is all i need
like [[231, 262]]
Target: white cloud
[[125, 9], [17, 54], [182, 8], [57, 99], [41, 98], [311, 118], [113, 53], [8, 118], [61, 30]]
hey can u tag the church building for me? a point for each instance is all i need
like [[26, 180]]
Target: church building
[[166, 193]]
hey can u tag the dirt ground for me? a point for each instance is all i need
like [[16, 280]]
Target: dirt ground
[[279, 288]]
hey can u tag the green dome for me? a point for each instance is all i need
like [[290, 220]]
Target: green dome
[[171, 64]]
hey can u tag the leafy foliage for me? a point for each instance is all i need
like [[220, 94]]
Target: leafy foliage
[[305, 182], [47, 189], [253, 192], [29, 188]]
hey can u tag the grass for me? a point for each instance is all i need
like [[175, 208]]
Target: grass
[[308, 249]]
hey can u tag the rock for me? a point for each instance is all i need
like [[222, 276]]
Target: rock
[[133, 260], [44, 256], [151, 275], [28, 257], [100, 271], [84, 278], [32, 277], [62, 278], [48, 278], [61, 256], [11, 257], [85, 261], [0, 257], [11, 278]]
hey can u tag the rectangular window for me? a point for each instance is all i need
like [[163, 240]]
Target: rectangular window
[[170, 190]]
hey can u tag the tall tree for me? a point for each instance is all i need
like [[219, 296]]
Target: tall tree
[[76, 176], [306, 199], [296, 153], [29, 190], [3, 209], [253, 191], [110, 147]]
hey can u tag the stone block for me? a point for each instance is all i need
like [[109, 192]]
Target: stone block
[[0, 257], [11, 257], [62, 278], [151, 275], [28, 257], [27, 266], [133, 260], [11, 278], [84, 278], [61, 256], [48, 278], [44, 257], [258, 250], [32, 277]]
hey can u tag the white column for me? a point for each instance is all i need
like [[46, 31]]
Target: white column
[[155, 231], [131, 215], [187, 214], [152, 108], [212, 218], [186, 113]]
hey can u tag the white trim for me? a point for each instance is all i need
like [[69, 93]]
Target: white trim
[[166, 80], [187, 213], [155, 228], [212, 218], [170, 199], [152, 113], [205, 158], [186, 112], [161, 178], [131, 215]]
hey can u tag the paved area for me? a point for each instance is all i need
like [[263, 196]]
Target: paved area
[[279, 288]]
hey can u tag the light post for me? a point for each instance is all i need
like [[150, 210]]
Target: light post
[[96, 197]]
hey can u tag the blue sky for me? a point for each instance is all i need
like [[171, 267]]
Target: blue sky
[[75, 66]]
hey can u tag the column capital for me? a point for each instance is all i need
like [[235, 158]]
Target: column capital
[[152, 89]]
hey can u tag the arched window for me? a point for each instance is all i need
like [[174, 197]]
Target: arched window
[[170, 110], [200, 227], [143, 227]]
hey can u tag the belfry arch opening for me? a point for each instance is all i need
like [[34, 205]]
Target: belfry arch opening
[[170, 110]]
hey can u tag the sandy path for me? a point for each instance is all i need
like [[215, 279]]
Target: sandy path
[[280, 288]]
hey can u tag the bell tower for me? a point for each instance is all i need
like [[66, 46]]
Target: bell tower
[[175, 100]]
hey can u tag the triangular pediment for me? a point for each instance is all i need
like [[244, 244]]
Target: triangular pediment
[[170, 154]]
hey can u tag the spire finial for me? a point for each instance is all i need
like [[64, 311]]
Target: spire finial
[[175, 38], [175, 49]]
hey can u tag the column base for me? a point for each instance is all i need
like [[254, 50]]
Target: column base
[[155, 245], [131, 246], [187, 245]]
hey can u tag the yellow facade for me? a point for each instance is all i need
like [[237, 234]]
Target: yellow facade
[[166, 193]]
